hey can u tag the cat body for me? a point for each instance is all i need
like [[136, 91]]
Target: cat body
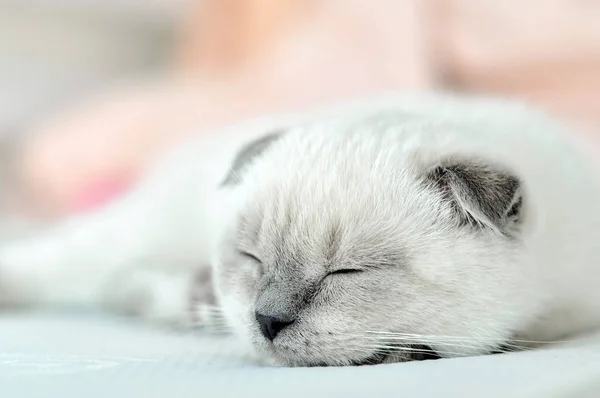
[[374, 231]]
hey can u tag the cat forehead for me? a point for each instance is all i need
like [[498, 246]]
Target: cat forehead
[[332, 231], [315, 188], [327, 167]]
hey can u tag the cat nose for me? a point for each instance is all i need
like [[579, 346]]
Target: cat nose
[[270, 326]]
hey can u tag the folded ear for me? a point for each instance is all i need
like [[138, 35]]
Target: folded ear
[[246, 155], [482, 195]]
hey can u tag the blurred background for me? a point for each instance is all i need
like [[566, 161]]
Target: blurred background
[[94, 91]]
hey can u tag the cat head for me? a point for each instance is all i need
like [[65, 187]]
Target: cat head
[[344, 246]]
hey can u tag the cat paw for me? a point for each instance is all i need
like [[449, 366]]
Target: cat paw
[[203, 307], [153, 295], [177, 299]]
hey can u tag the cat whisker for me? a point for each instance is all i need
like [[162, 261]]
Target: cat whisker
[[411, 350], [447, 337], [448, 341], [428, 340], [445, 344]]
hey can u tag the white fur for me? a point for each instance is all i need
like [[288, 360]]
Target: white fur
[[176, 220]]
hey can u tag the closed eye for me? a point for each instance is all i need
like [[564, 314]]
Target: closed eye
[[346, 271], [250, 256]]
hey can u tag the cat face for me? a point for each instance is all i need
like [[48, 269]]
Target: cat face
[[344, 247]]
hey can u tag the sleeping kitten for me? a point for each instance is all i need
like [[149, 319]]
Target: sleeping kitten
[[377, 231]]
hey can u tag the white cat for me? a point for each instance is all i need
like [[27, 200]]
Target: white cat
[[376, 231]]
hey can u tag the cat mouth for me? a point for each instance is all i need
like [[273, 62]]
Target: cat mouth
[[392, 354], [414, 352], [375, 359], [423, 352]]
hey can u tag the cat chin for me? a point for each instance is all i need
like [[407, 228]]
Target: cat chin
[[419, 353], [268, 354]]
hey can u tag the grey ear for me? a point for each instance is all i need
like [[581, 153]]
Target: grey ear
[[481, 194], [246, 155]]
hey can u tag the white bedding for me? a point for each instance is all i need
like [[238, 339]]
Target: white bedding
[[74, 355]]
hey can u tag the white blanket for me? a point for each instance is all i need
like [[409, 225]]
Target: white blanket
[[49, 355]]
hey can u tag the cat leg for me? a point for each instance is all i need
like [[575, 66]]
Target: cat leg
[[181, 298], [154, 295], [102, 259], [141, 246]]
